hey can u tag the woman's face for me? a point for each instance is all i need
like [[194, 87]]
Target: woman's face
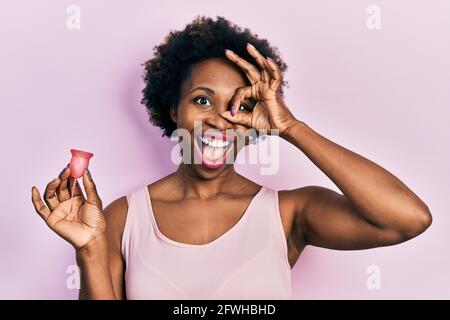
[[204, 95]]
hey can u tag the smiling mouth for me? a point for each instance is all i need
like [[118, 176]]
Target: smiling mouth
[[213, 152]]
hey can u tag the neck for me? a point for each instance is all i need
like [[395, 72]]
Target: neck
[[196, 186]]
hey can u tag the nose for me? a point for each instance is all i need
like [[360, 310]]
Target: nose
[[216, 121]]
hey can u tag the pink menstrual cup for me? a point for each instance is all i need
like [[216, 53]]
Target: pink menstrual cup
[[79, 162]]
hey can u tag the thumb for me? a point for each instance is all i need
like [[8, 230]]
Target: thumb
[[242, 118], [91, 190]]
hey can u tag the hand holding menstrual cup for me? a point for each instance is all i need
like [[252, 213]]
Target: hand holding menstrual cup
[[85, 221]]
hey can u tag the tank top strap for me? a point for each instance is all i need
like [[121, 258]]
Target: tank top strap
[[274, 211], [136, 221]]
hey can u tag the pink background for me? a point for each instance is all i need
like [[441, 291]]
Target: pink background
[[381, 93]]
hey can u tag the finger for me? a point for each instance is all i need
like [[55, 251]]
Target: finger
[[39, 205], [91, 190], [249, 69], [50, 194], [276, 75], [243, 118], [62, 191], [262, 62]]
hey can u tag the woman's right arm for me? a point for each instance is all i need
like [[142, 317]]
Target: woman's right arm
[[101, 264], [95, 233], [96, 280]]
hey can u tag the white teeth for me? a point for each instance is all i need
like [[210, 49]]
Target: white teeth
[[215, 142]]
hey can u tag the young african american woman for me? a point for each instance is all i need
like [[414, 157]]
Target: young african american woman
[[376, 209]]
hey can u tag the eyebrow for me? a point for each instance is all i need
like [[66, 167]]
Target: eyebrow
[[210, 91]]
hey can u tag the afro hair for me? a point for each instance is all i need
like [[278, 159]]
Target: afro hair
[[173, 59]]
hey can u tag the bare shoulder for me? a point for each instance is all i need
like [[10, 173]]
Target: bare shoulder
[[292, 204], [294, 201], [117, 208], [115, 216]]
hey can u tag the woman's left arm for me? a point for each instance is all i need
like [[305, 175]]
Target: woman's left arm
[[376, 208]]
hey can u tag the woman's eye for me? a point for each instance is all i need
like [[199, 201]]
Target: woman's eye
[[202, 101], [243, 107]]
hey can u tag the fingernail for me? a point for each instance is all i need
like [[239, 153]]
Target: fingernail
[[229, 51], [270, 60], [233, 110], [251, 46]]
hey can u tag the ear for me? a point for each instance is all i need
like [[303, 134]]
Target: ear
[[173, 110]]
